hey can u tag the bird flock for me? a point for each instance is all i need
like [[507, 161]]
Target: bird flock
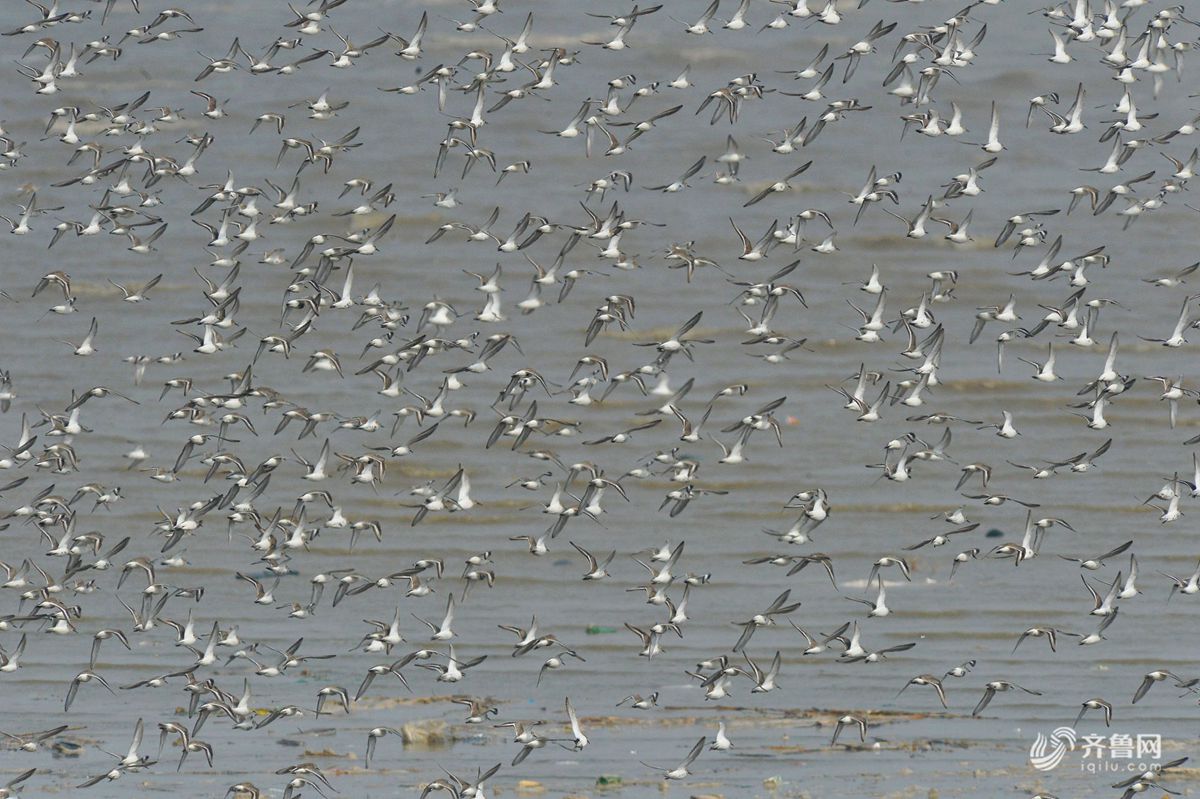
[[337, 408]]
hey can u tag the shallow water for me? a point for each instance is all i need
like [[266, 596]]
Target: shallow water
[[913, 746]]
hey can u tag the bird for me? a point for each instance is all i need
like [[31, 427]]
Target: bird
[[374, 735], [82, 678], [11, 789], [721, 742], [850, 720], [1152, 677], [31, 742], [442, 631], [930, 680], [138, 294], [779, 607], [1092, 564], [779, 185], [596, 569], [998, 686], [580, 740], [1095, 704], [681, 771], [1049, 633]]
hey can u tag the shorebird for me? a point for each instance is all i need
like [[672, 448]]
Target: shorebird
[[681, 771], [998, 686]]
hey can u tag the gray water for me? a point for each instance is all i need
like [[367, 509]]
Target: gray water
[[913, 746]]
